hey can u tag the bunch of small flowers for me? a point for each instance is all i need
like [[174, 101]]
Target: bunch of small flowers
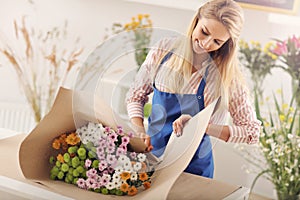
[[68, 164], [258, 60], [106, 164], [141, 27], [280, 147], [288, 52]]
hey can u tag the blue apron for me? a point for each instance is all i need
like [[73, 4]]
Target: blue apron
[[166, 108]]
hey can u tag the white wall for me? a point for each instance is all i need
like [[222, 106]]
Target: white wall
[[89, 18]]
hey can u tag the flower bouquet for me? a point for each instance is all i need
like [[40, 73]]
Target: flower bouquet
[[75, 127], [288, 52], [278, 153], [99, 159], [141, 27], [258, 60]]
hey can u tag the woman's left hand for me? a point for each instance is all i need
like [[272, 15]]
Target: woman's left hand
[[179, 123]]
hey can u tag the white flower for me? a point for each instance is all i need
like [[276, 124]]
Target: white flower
[[110, 186], [116, 183], [123, 159], [137, 166], [290, 136], [127, 166], [116, 176], [141, 157], [133, 176], [119, 170], [107, 177]]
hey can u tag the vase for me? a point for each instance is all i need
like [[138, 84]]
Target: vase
[[140, 56], [284, 195]]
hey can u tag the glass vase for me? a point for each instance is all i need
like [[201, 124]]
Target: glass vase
[[284, 195]]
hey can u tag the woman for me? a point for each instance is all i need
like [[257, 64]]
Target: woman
[[187, 74]]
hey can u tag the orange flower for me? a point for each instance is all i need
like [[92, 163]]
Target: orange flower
[[60, 158], [56, 144], [62, 137], [147, 185], [132, 191], [72, 139], [124, 187], [125, 176], [143, 176]]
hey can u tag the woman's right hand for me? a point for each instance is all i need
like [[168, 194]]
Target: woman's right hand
[[138, 127]]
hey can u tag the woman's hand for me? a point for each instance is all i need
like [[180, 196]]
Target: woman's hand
[[138, 127], [179, 123]]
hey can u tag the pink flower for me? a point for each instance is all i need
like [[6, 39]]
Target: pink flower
[[125, 140], [133, 155], [113, 137], [120, 131], [111, 159], [120, 151], [110, 150], [91, 173], [102, 165], [130, 135], [124, 147], [107, 129], [81, 183], [110, 170], [281, 48], [100, 150], [296, 41], [88, 163], [101, 156], [91, 183]]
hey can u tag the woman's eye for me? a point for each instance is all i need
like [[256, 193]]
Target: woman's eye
[[218, 43], [205, 33]]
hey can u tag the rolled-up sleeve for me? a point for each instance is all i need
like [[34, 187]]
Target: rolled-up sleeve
[[246, 127], [138, 93]]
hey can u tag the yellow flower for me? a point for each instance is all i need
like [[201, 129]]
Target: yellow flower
[[274, 57], [279, 91], [140, 17], [267, 124], [282, 117], [285, 106]]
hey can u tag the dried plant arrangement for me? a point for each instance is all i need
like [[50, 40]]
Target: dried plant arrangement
[[42, 60]]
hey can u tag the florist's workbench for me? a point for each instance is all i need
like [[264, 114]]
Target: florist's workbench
[[14, 186]]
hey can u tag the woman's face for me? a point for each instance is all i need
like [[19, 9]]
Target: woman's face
[[209, 35]]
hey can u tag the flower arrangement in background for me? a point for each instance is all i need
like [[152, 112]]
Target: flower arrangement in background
[[258, 60], [277, 157], [41, 61], [98, 159], [288, 52], [141, 27]]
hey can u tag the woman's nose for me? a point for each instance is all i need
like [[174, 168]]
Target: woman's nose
[[206, 43]]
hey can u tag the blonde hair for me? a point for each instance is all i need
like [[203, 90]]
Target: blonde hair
[[230, 14]]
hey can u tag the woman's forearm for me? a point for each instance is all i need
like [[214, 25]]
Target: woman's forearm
[[218, 131], [138, 124]]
